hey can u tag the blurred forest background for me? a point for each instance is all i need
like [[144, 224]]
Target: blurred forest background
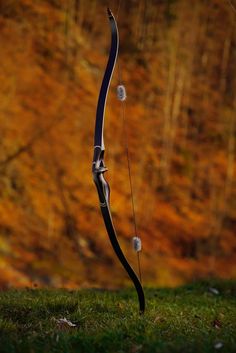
[[178, 64]]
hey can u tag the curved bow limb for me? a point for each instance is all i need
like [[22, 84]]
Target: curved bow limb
[[99, 168]]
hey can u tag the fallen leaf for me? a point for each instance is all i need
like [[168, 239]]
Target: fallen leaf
[[136, 348], [64, 324], [217, 324], [214, 291], [218, 345], [158, 319]]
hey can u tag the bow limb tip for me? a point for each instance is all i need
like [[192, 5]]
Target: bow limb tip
[[109, 13]]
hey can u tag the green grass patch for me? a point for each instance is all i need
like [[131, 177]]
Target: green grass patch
[[191, 318]]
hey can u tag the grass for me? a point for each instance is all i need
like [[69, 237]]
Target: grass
[[185, 319]]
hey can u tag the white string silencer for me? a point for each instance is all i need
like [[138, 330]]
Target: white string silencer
[[121, 93], [137, 244]]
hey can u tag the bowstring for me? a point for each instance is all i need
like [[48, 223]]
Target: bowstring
[[126, 143]]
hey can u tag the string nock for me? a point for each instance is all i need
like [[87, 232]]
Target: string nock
[[121, 93], [109, 12], [137, 244]]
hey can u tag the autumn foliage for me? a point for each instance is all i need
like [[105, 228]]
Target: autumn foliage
[[177, 60]]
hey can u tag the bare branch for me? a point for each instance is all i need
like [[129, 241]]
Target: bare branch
[[31, 142]]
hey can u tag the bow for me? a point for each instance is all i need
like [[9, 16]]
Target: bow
[[99, 168]]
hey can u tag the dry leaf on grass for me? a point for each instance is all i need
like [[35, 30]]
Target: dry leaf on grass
[[218, 345], [136, 348], [217, 324], [64, 324], [214, 291]]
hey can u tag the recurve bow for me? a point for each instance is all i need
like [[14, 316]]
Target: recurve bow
[[99, 168]]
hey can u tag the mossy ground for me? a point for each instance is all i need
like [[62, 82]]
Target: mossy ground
[[186, 319]]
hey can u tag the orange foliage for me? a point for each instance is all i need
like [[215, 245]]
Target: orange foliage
[[179, 69]]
